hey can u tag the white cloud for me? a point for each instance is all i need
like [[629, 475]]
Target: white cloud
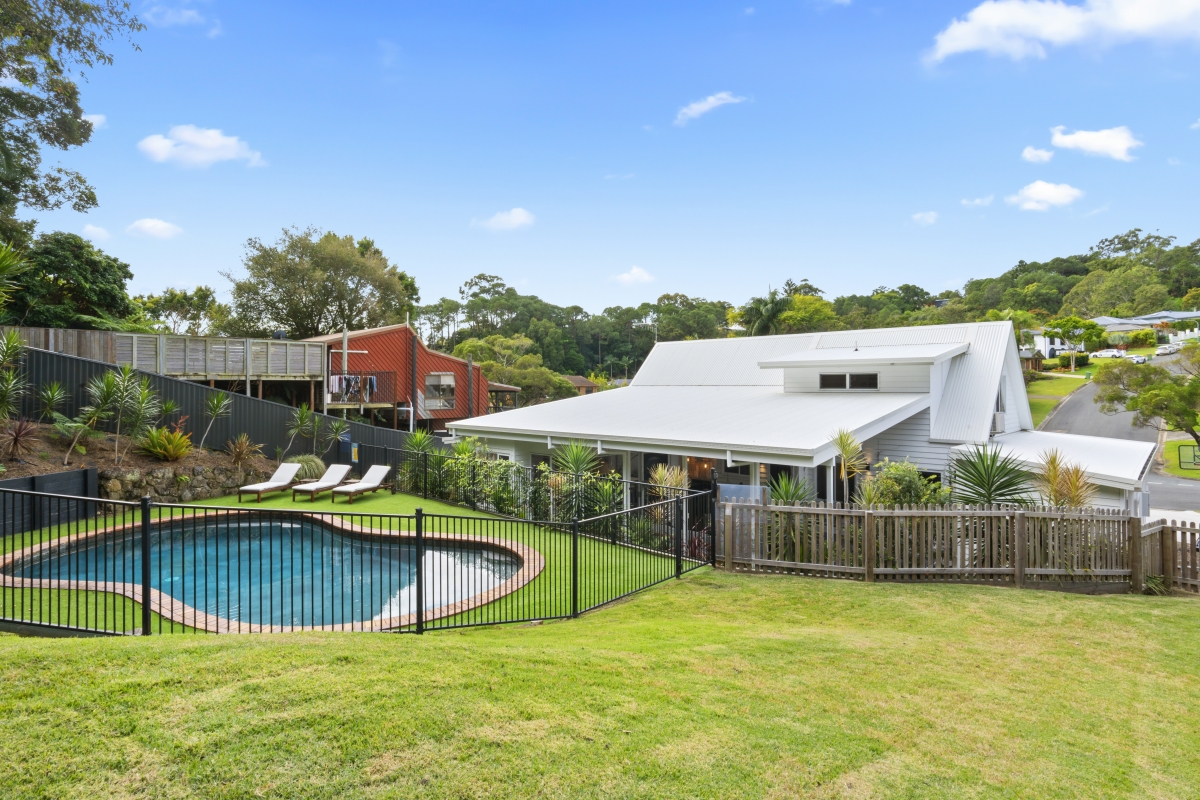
[[748, 11], [1195, 125], [1022, 28], [635, 275], [978, 201], [151, 228], [701, 107], [97, 120], [1112, 142], [95, 233], [925, 217], [508, 220], [1036, 156], [165, 17], [1040, 196], [198, 147]]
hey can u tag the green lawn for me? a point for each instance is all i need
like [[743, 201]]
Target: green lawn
[[714, 686], [1045, 395], [1171, 459]]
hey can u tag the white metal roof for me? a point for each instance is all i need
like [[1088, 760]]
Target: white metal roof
[[877, 355], [745, 420], [1121, 463]]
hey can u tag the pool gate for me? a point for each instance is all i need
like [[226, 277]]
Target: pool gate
[[115, 567]]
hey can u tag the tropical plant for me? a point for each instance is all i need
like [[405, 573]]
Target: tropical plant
[[216, 405], [242, 449], [12, 265], [49, 397], [868, 493], [577, 458], [311, 467], [165, 444], [139, 411], [12, 389], [12, 347], [900, 483], [788, 491], [333, 432], [81, 427], [850, 455], [302, 423], [985, 476], [762, 315], [1061, 483], [19, 438], [420, 441]]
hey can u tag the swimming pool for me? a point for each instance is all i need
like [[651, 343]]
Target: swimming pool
[[222, 571]]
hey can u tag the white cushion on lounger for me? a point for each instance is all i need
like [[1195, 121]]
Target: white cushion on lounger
[[282, 477], [373, 478], [332, 477]]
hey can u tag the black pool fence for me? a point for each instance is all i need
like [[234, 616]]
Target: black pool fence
[[118, 567]]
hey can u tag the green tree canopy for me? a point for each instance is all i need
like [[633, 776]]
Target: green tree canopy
[[194, 313], [1158, 397], [69, 278], [808, 314], [310, 284], [44, 46]]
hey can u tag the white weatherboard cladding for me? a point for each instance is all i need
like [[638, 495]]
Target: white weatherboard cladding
[[910, 440], [899, 378]]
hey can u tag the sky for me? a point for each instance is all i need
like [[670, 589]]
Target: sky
[[604, 154]]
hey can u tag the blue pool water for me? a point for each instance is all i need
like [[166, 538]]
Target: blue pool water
[[293, 573]]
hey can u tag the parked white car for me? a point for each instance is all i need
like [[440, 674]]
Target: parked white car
[[1164, 350], [1138, 359], [1108, 354]]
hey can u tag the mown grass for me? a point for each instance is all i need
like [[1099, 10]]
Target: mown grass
[[718, 685], [1171, 461], [1045, 395]]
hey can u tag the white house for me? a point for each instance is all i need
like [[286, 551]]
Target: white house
[[753, 406]]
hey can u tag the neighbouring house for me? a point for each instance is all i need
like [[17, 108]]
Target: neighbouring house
[[582, 384], [753, 407], [388, 375], [1031, 359]]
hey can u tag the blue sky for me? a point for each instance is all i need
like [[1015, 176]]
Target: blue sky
[[550, 144]]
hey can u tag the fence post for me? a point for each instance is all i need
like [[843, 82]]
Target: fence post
[[575, 567], [474, 502], [728, 536], [146, 566], [678, 537], [868, 547], [1020, 550], [1168, 554], [420, 555], [712, 521], [1136, 582], [425, 477]]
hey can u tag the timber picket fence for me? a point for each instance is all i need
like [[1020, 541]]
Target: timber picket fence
[[1035, 547]]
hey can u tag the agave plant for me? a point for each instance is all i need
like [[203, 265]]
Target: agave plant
[[984, 476], [216, 405], [19, 438], [577, 458], [165, 444], [49, 397]]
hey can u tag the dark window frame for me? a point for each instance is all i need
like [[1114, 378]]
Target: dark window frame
[[828, 378]]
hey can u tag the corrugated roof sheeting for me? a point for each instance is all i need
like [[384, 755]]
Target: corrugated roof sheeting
[[1112, 462], [721, 417], [920, 334], [969, 398]]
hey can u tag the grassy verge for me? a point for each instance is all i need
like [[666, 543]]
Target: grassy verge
[[715, 686], [1171, 459], [1045, 395]]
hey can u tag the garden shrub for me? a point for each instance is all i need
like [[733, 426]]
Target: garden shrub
[[1081, 360], [311, 467]]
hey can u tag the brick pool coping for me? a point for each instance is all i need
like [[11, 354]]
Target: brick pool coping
[[532, 563]]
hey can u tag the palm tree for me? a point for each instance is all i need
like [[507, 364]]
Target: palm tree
[[853, 461], [983, 476], [761, 315]]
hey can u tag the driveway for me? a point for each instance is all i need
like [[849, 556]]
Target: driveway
[[1080, 415]]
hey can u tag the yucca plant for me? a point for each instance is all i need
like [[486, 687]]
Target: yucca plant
[[301, 425], [81, 427], [139, 412], [1061, 483], [311, 467], [868, 493], [12, 347], [577, 458], [984, 476], [12, 265], [165, 444], [787, 491], [420, 441], [216, 405], [19, 438], [853, 461], [12, 389], [49, 397], [333, 432]]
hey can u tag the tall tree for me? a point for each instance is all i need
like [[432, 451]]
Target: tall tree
[[1158, 397], [44, 46], [308, 285], [195, 313], [1074, 331], [68, 279], [761, 315]]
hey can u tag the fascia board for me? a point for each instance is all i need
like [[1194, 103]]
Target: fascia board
[[863, 361]]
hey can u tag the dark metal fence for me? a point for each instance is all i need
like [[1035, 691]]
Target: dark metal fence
[[264, 421], [130, 568]]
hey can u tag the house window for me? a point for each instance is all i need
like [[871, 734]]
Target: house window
[[439, 391], [865, 380], [835, 381], [855, 380]]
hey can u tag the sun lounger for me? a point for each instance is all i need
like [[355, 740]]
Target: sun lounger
[[282, 479], [332, 477], [371, 482]]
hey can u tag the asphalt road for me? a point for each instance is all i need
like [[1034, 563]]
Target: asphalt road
[[1080, 415]]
